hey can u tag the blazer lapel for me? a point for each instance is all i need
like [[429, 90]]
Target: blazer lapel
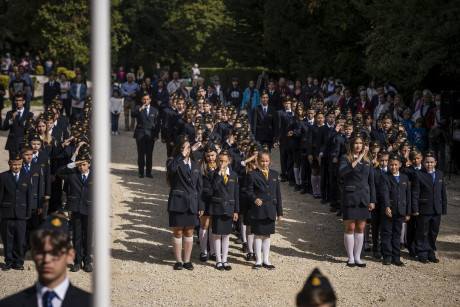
[[30, 297]]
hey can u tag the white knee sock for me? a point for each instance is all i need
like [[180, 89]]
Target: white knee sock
[[359, 239], [403, 232], [188, 245], [296, 175], [203, 240], [243, 233], [349, 242], [225, 244], [250, 240], [218, 248], [258, 249], [177, 248], [318, 182], [212, 250], [266, 249], [313, 185]]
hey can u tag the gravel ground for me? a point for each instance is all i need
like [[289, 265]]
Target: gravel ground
[[309, 236]]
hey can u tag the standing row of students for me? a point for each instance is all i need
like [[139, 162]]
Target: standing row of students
[[338, 156], [45, 162]]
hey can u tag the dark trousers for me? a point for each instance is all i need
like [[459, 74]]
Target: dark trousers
[[145, 147], [13, 232], [287, 161], [410, 234], [325, 178], [390, 234], [67, 106], [82, 240], [333, 183], [115, 119], [375, 227], [427, 228], [305, 170], [31, 224], [75, 113], [169, 149], [55, 201]]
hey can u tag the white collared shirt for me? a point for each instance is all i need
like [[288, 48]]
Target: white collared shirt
[[60, 291], [418, 168], [189, 163], [227, 172], [384, 169], [18, 173]]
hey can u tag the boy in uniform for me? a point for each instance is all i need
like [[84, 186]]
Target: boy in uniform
[[15, 200]]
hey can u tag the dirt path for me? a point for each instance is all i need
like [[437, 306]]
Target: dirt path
[[308, 236]]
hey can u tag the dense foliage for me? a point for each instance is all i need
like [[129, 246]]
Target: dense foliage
[[411, 43]]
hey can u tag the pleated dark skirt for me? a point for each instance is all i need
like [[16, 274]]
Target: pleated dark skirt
[[222, 224], [359, 212], [263, 227], [182, 219]]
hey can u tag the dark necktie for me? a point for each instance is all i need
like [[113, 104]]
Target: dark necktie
[[384, 170], [27, 168], [331, 128], [147, 111], [51, 84], [47, 298], [432, 176], [397, 179], [265, 111], [19, 115], [84, 178], [16, 177], [34, 160]]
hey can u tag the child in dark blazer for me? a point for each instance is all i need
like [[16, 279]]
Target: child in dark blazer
[[264, 195], [428, 208], [396, 201], [224, 207]]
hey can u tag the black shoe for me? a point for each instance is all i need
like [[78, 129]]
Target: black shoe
[[339, 212], [291, 183], [386, 261], [212, 257], [140, 175], [256, 266], [398, 262], [297, 188], [377, 255], [178, 266], [360, 265], [412, 254], [367, 249], [309, 190], [283, 179], [219, 266], [188, 266], [227, 267], [75, 268], [244, 249], [351, 265], [18, 267], [268, 266], [324, 201], [238, 241], [7, 267], [88, 268], [203, 257], [424, 260], [149, 176], [303, 190], [433, 259], [250, 257], [333, 208]]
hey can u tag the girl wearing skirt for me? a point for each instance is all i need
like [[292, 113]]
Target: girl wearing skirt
[[184, 203], [358, 196], [264, 196], [224, 208]]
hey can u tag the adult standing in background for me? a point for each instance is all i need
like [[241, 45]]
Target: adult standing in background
[[164, 76], [17, 85], [234, 94], [30, 86], [262, 81], [78, 93], [283, 89], [174, 84], [219, 90], [182, 90], [140, 74], [65, 95], [2, 98], [51, 89], [158, 69], [48, 66], [195, 75], [129, 91], [251, 99]]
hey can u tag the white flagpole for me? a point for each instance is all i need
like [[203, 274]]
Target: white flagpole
[[100, 64]]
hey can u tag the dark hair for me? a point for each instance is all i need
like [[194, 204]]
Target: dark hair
[[58, 239], [316, 297], [176, 151]]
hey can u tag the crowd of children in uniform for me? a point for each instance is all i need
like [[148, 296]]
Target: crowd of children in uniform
[[46, 160], [218, 168], [219, 172]]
